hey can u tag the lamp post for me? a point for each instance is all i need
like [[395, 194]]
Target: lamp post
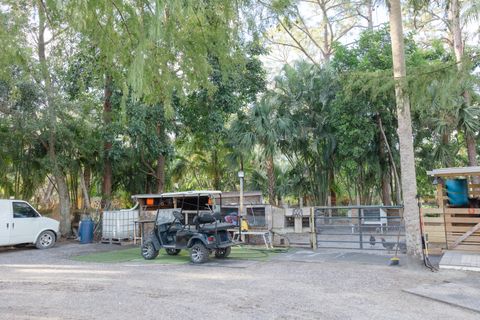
[[241, 175]]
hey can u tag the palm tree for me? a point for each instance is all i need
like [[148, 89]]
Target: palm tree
[[455, 27], [304, 93], [259, 127], [405, 136]]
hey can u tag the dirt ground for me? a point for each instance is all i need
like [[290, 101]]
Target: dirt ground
[[300, 284]]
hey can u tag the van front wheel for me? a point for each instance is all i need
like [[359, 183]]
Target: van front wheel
[[45, 240]]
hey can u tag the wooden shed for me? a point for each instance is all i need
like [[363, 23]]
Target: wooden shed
[[452, 226]]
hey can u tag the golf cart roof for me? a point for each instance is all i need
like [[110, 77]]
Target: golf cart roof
[[179, 194]]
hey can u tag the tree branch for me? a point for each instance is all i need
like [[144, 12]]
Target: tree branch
[[298, 43], [306, 31], [123, 20]]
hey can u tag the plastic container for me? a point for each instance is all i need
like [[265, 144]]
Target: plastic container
[[85, 231], [457, 192], [119, 224]]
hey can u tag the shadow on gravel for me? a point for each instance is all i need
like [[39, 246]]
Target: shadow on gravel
[[349, 256]]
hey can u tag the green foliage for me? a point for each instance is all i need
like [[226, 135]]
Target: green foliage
[[203, 123], [188, 84], [166, 45]]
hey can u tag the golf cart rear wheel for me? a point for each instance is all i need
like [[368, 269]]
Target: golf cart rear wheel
[[148, 250], [198, 253], [223, 252], [173, 252]]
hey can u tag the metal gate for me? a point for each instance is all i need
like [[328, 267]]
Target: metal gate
[[360, 227]]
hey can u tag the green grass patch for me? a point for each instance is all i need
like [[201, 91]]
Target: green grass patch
[[254, 253], [134, 255]]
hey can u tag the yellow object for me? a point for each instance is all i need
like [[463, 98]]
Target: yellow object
[[244, 225]]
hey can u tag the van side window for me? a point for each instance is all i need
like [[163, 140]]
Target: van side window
[[23, 210]]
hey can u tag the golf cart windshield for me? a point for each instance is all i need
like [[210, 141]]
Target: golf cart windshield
[[165, 216]]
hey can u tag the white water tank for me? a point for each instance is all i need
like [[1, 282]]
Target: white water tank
[[119, 224]]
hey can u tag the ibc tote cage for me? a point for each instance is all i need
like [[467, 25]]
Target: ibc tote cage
[[119, 225]]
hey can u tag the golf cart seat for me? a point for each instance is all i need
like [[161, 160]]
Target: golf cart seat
[[203, 219], [207, 222], [217, 226]]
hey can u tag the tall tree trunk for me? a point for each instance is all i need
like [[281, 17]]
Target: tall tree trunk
[[83, 186], [48, 194], [386, 192], [87, 174], [160, 173], [216, 174], [385, 179], [326, 38], [160, 170], [471, 150], [456, 31], [407, 156], [331, 183], [370, 14], [60, 179], [458, 48], [107, 144], [271, 180], [446, 161], [73, 189]]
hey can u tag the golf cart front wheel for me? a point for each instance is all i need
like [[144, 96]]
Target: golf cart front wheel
[[198, 253], [148, 251], [223, 252], [173, 252]]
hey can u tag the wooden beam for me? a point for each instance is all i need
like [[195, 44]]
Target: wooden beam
[[466, 235], [440, 198]]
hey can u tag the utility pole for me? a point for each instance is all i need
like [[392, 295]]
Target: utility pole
[[241, 175]]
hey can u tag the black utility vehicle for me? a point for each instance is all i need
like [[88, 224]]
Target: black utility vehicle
[[204, 236]]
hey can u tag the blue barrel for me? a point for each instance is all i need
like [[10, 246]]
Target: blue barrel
[[457, 192], [85, 231]]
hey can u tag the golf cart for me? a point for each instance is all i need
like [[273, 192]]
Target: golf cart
[[204, 234]]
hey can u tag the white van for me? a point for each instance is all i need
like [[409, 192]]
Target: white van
[[21, 224]]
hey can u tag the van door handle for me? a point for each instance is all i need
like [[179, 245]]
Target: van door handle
[[7, 225], [13, 225]]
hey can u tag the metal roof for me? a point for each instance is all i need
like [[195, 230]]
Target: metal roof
[[177, 194], [459, 171], [234, 194]]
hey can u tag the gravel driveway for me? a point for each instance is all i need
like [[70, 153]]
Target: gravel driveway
[[47, 284]]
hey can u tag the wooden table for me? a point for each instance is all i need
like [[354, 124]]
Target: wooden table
[[265, 235]]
